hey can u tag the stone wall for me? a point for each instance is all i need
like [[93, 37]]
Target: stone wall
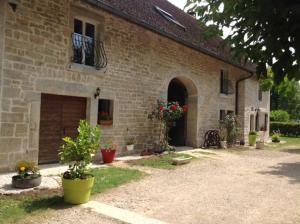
[[140, 66]]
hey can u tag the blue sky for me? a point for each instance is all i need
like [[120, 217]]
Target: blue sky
[[178, 3]]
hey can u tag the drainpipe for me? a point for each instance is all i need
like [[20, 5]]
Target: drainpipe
[[237, 91]]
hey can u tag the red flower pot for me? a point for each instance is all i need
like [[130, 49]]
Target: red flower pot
[[108, 155]]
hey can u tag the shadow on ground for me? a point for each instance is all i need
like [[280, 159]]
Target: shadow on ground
[[293, 151], [289, 170]]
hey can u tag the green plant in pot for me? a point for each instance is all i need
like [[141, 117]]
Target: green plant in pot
[[78, 153], [252, 138], [276, 137]]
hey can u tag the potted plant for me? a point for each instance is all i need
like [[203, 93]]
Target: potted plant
[[130, 144], [78, 153], [276, 138], [28, 175], [105, 118], [222, 134], [108, 151], [252, 137]]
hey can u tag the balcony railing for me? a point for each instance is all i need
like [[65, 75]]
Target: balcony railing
[[88, 51]]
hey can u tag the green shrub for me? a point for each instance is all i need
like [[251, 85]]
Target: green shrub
[[275, 138], [78, 153], [291, 129], [279, 116]]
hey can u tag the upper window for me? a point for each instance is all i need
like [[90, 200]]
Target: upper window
[[169, 17], [224, 82], [259, 93], [86, 50], [84, 42]]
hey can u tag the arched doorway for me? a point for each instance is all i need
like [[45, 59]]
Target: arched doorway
[[177, 92]]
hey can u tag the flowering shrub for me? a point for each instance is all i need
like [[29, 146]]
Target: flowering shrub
[[26, 169], [167, 112], [104, 116]]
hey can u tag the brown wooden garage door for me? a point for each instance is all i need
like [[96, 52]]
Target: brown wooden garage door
[[60, 116]]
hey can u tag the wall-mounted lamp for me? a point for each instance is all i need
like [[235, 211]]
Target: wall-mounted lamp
[[97, 93], [14, 4]]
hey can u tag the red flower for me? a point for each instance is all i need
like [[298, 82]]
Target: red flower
[[161, 108], [174, 107], [185, 108]]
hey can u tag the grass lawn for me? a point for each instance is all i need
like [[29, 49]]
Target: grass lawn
[[13, 210], [159, 162], [290, 143]]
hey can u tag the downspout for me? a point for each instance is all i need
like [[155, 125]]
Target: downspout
[[237, 91]]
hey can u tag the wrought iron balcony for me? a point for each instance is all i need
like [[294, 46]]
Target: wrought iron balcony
[[88, 51]]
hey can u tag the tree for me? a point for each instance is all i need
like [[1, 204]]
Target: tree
[[286, 96], [265, 32]]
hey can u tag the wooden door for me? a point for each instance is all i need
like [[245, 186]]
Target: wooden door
[[60, 116]]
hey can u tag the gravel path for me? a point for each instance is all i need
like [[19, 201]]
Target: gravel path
[[234, 188]]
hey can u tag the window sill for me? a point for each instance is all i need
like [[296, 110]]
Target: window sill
[[86, 69], [223, 95]]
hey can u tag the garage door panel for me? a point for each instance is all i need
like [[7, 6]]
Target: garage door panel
[[60, 116]]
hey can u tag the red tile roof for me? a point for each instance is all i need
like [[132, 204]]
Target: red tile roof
[[143, 13]]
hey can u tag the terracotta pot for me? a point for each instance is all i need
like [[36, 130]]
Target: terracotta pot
[[31, 182], [108, 155], [106, 123]]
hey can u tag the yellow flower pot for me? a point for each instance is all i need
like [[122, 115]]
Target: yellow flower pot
[[77, 191], [252, 140]]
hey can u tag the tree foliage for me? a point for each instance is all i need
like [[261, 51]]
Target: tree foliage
[[279, 116], [263, 31], [286, 96]]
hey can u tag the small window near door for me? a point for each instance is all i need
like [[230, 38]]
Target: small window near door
[[251, 122], [257, 122], [222, 115], [224, 82], [266, 121], [105, 112], [230, 112], [260, 94]]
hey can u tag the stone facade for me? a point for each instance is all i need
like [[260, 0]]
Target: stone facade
[[35, 51]]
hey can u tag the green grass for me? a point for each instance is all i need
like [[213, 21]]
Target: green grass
[[14, 210], [113, 177], [290, 143], [159, 162]]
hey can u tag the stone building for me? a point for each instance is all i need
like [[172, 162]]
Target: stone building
[[66, 60]]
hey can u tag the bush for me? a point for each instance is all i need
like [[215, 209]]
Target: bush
[[279, 116], [291, 129], [275, 138]]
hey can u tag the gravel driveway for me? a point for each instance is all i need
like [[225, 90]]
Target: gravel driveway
[[250, 187]]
